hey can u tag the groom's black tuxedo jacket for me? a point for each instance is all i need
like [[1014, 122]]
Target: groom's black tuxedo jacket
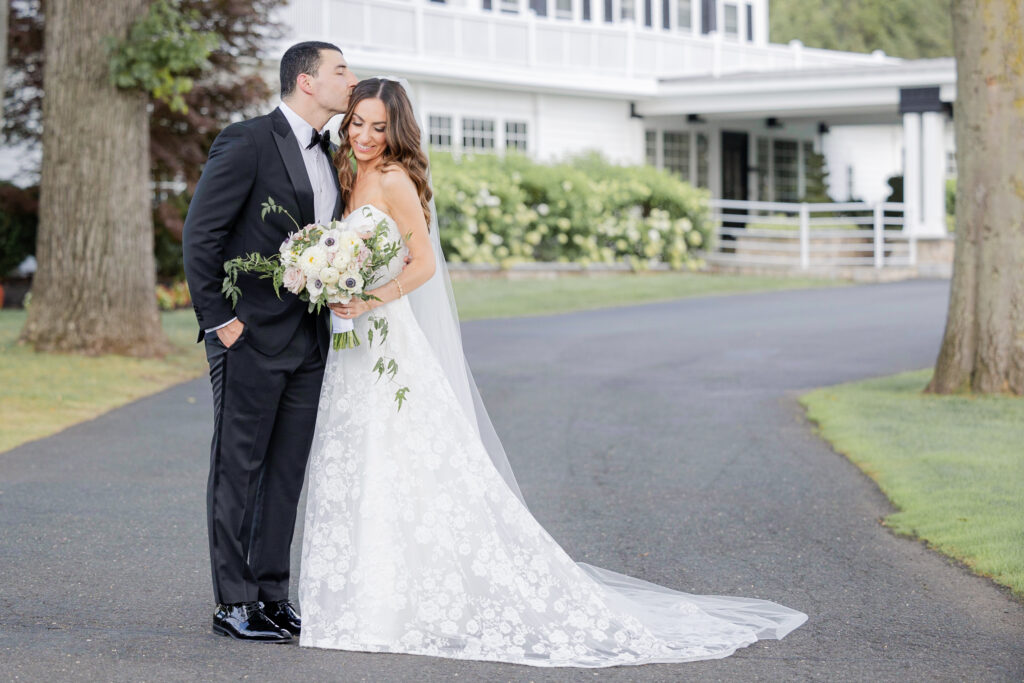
[[249, 162]]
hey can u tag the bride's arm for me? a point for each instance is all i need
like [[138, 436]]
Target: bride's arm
[[403, 204]]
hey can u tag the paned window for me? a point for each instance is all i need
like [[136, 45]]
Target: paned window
[[702, 160], [787, 175], [676, 153], [684, 15], [732, 20], [515, 135], [440, 131], [478, 135], [651, 147], [764, 170]]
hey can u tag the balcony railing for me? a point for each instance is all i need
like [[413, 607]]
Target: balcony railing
[[417, 30]]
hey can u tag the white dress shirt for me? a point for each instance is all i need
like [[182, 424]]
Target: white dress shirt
[[319, 170], [318, 167]]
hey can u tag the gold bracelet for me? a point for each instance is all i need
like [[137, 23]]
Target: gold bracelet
[[401, 292]]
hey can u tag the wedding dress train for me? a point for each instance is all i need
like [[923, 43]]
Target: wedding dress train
[[414, 542]]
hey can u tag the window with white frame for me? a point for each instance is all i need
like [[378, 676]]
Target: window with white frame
[[440, 131], [563, 9], [807, 149], [684, 15], [764, 170], [627, 10], [651, 147], [676, 153], [516, 136], [787, 173], [478, 135], [732, 19], [702, 160]]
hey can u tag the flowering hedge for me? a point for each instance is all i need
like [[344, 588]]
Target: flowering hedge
[[587, 210]]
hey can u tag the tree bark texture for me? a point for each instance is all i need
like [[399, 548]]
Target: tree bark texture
[[983, 347], [94, 288]]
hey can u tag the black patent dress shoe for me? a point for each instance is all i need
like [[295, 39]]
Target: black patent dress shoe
[[282, 613], [246, 621]]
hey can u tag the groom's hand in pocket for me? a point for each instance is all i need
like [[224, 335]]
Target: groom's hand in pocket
[[230, 333]]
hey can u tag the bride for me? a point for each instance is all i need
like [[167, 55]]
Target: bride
[[417, 539]]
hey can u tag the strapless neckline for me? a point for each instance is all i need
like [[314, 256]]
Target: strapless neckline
[[372, 206]]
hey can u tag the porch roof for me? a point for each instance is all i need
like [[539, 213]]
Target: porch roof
[[838, 95]]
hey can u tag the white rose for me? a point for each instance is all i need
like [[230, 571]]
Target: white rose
[[329, 275], [342, 259], [348, 238]]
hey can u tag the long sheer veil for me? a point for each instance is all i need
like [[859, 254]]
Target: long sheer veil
[[433, 304]]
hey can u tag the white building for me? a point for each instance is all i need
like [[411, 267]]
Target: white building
[[689, 85]]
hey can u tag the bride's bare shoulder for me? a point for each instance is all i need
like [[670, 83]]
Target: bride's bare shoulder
[[394, 177], [398, 188]]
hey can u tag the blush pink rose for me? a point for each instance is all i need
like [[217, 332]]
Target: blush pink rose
[[294, 280]]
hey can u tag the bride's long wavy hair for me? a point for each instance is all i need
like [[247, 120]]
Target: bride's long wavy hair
[[401, 135]]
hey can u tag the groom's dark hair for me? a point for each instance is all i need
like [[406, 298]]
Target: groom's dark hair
[[301, 58]]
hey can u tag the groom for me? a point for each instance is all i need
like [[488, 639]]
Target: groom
[[267, 355]]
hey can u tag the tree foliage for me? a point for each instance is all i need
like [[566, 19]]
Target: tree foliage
[[902, 28], [160, 51], [179, 140]]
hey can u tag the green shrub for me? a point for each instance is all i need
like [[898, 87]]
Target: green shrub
[[168, 220], [19, 222], [585, 210]]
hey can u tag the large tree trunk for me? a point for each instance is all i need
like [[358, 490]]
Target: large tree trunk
[[983, 348], [94, 289]]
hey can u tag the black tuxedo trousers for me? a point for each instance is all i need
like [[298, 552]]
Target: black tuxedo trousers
[[264, 415], [267, 385]]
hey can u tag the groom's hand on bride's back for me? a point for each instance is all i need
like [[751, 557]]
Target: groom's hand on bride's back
[[230, 333]]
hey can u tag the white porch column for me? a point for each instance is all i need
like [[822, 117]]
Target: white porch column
[[933, 174], [912, 196]]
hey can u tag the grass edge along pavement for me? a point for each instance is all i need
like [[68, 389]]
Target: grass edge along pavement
[[42, 394], [953, 466]]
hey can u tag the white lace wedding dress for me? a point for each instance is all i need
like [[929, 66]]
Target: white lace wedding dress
[[414, 542]]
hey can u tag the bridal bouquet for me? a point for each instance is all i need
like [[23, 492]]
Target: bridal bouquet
[[325, 264]]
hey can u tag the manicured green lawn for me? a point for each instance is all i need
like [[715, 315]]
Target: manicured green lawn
[[953, 465], [42, 394], [499, 298]]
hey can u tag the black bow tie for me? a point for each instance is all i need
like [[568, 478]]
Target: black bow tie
[[324, 141]]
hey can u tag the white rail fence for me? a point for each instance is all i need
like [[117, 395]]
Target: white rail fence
[[811, 235]]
